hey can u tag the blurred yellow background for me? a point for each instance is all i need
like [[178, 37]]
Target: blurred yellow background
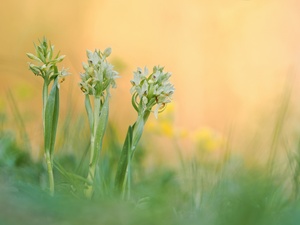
[[229, 59]]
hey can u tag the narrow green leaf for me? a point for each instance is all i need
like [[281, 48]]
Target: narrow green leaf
[[72, 177], [89, 111], [51, 117], [123, 161], [101, 127], [55, 119]]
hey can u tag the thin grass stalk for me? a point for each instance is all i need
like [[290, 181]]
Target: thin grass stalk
[[294, 164], [18, 117], [278, 128]]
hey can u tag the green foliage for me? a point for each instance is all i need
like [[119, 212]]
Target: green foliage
[[242, 195], [206, 192]]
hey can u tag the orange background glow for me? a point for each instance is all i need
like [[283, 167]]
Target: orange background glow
[[229, 59]]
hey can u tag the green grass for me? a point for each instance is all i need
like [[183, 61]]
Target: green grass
[[231, 190]]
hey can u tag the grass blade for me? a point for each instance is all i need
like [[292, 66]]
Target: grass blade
[[18, 117], [282, 114]]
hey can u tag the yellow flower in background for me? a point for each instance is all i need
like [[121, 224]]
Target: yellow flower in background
[[165, 126], [206, 139]]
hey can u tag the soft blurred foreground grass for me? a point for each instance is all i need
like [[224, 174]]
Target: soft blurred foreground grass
[[228, 191], [229, 187]]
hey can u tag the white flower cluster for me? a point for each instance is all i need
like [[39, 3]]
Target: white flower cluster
[[151, 90], [99, 73], [46, 67]]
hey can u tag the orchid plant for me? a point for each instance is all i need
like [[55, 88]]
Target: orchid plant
[[96, 81], [46, 68], [148, 92]]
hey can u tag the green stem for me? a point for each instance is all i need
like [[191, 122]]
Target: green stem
[[93, 162], [137, 132], [129, 176], [48, 157], [138, 128], [50, 173]]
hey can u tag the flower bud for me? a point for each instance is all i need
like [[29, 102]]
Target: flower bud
[[33, 57], [60, 58], [107, 52]]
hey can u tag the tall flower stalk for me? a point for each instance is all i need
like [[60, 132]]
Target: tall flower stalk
[[148, 92], [96, 82], [46, 68]]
